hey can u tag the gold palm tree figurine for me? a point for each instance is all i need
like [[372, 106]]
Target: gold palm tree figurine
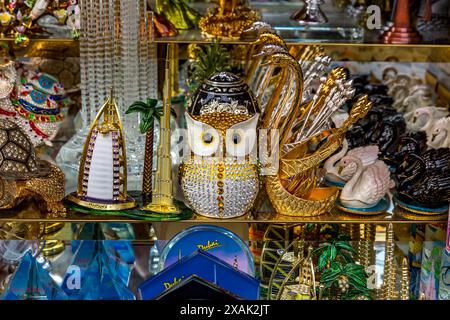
[[149, 113]]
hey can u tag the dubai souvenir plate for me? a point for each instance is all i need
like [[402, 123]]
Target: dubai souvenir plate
[[217, 241]]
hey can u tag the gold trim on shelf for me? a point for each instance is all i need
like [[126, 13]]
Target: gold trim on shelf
[[102, 206], [53, 48]]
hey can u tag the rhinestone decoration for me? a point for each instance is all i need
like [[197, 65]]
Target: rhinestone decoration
[[232, 107], [17, 155], [20, 138], [219, 188], [11, 166], [222, 120], [34, 103], [7, 108], [3, 138], [6, 87], [7, 125], [7, 79], [116, 166], [14, 152], [87, 163]]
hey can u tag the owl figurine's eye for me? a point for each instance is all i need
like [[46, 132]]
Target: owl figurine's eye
[[207, 138], [203, 139], [241, 138]]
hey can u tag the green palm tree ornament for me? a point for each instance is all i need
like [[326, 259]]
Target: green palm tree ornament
[[149, 112], [340, 273]]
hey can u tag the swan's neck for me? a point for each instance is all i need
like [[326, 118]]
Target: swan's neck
[[441, 138], [429, 122], [414, 177], [330, 164], [349, 186]]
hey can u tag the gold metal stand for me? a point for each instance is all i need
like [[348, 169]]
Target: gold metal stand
[[162, 198], [388, 290], [405, 280]]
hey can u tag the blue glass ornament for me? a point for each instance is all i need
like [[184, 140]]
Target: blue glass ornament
[[32, 282]]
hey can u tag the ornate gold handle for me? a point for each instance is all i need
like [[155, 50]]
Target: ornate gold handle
[[359, 110]]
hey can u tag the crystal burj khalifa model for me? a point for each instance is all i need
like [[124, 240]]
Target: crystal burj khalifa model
[[162, 196]]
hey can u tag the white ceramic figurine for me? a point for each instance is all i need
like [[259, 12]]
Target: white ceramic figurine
[[367, 186], [438, 136], [338, 172]]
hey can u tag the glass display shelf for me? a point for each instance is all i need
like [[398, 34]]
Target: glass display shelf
[[396, 215], [358, 52], [340, 28], [144, 266], [46, 47], [362, 52]]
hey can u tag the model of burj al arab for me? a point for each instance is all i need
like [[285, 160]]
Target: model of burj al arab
[[102, 177]]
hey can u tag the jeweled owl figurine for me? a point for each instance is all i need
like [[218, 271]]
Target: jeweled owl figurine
[[220, 178]]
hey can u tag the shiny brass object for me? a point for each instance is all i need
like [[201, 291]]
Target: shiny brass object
[[50, 228], [366, 251], [299, 164], [228, 20], [277, 238], [162, 196], [174, 71], [405, 280], [306, 287], [319, 201], [267, 43], [388, 290], [47, 190], [47, 231], [279, 110], [53, 247]]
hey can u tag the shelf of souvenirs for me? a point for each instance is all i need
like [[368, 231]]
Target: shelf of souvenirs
[[293, 38], [45, 47], [30, 213], [346, 51], [363, 52]]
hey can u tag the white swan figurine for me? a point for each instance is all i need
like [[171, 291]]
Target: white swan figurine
[[419, 96], [439, 135], [338, 172], [424, 117], [367, 186]]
